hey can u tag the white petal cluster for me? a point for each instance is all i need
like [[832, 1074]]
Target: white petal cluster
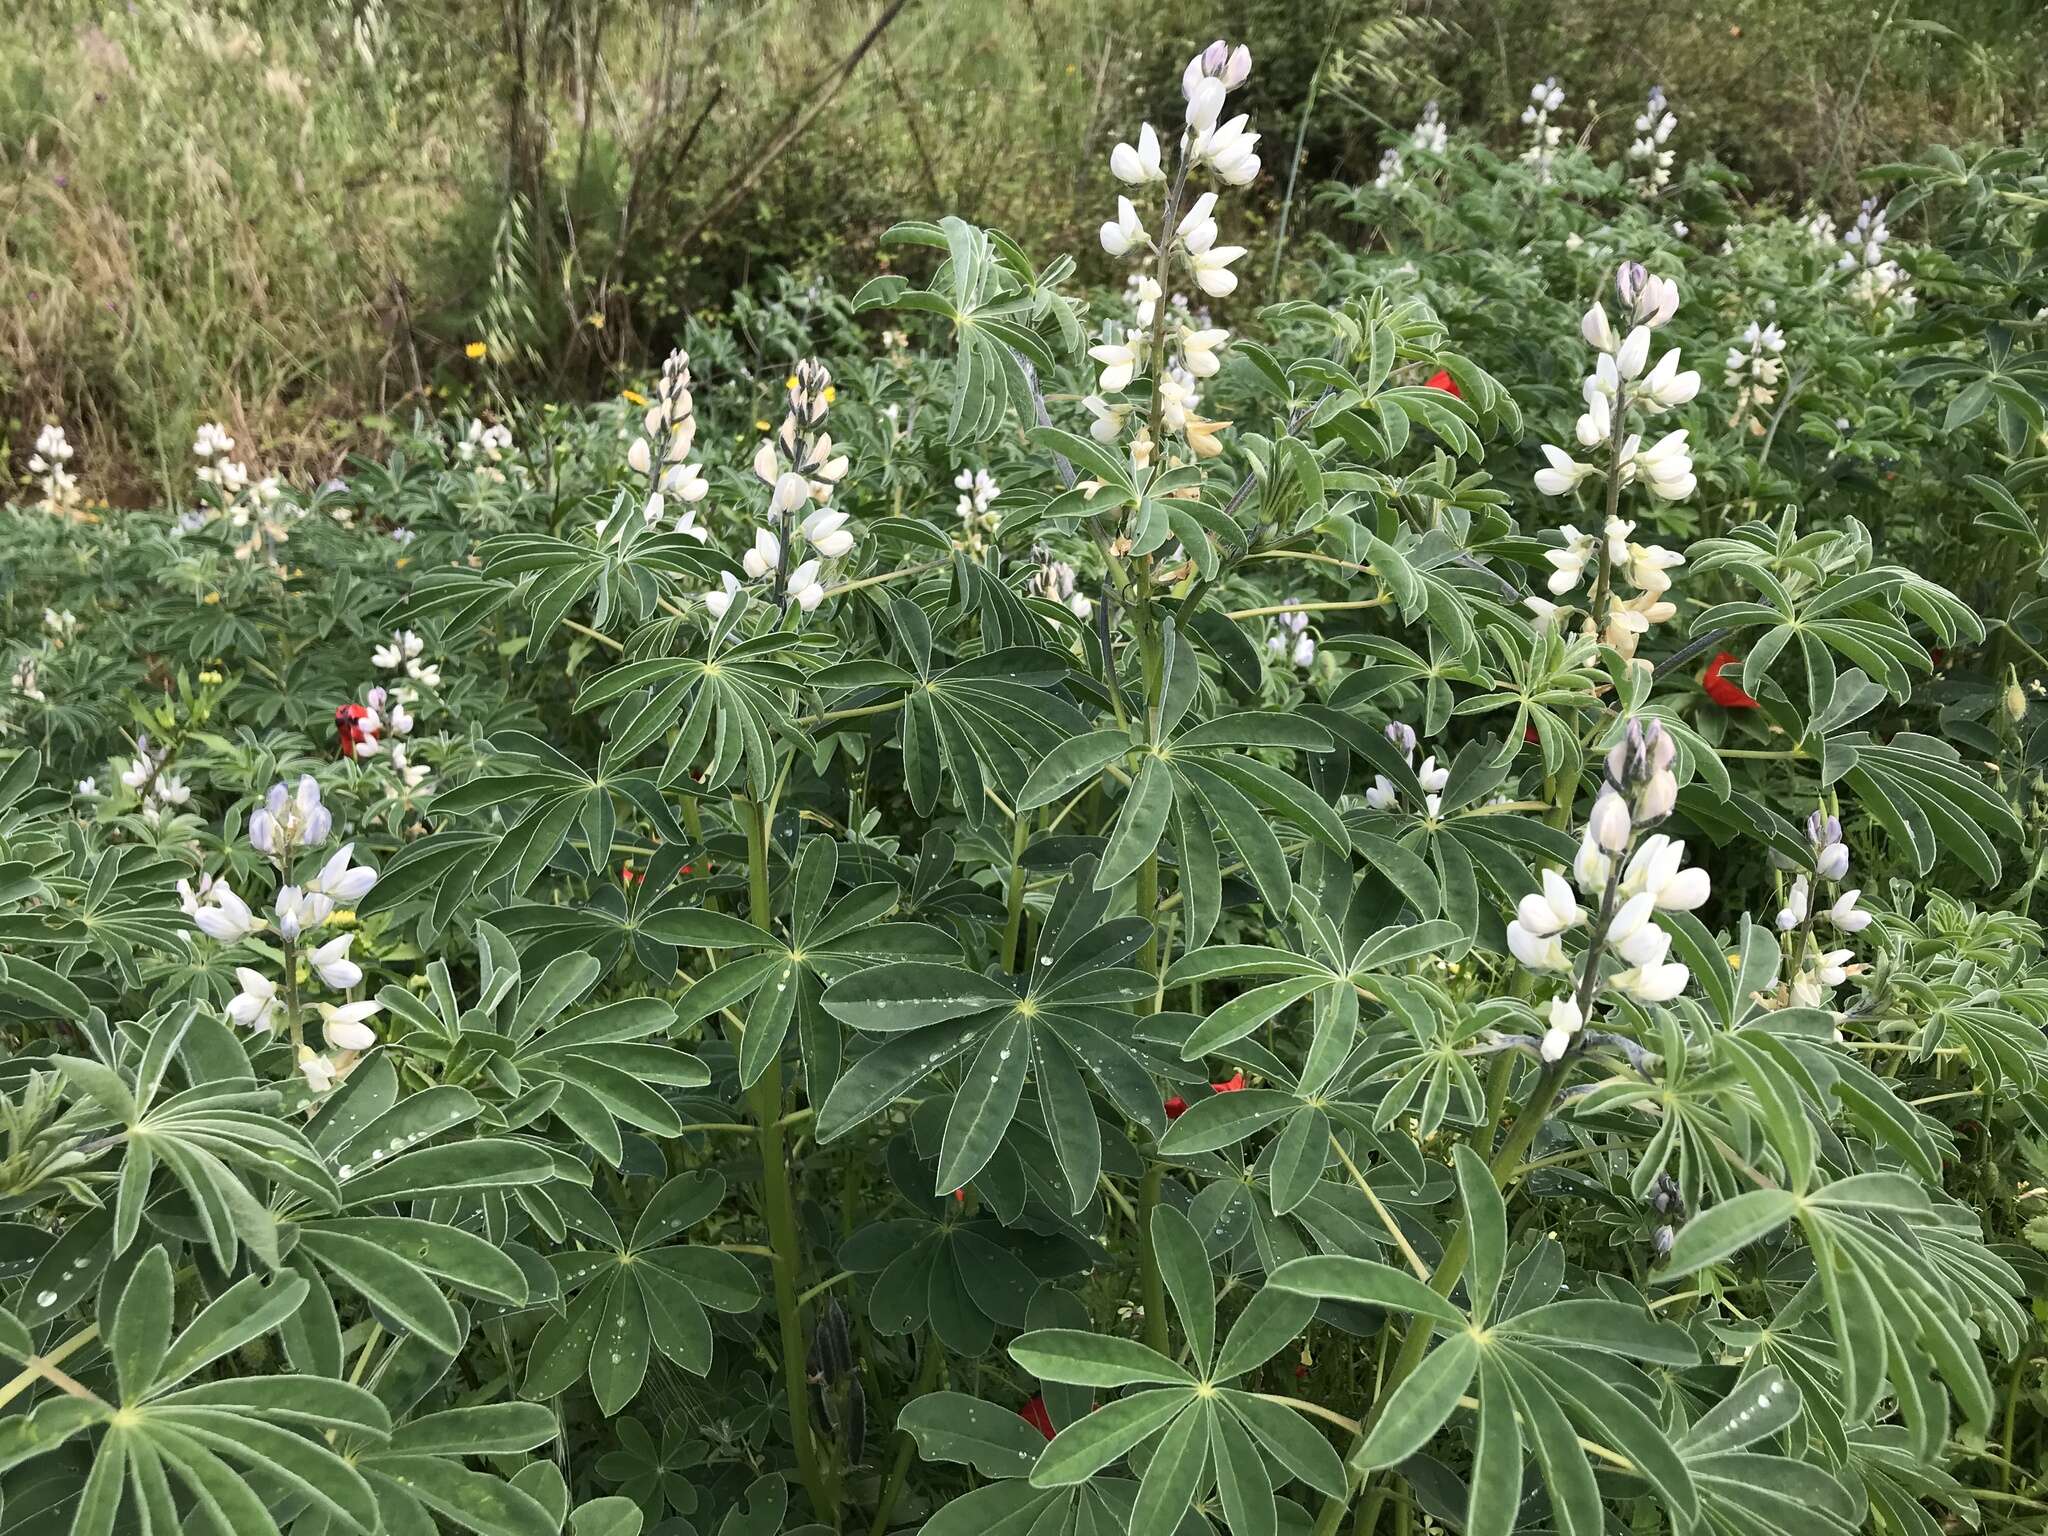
[[1545, 97], [1753, 370], [1290, 638], [1385, 795], [1056, 581], [50, 463], [662, 453], [799, 466], [1652, 161], [1816, 973]]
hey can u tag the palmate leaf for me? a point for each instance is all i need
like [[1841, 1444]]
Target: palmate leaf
[[215, 1441], [1198, 1425], [631, 1296], [1557, 1370], [540, 799], [779, 982], [1001, 311], [1068, 1015], [218, 1142]]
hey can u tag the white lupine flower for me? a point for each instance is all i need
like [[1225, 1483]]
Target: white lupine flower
[[685, 482], [1119, 364], [222, 915], [1832, 862], [300, 911], [212, 441], [1107, 424], [1198, 351], [345, 1027], [1136, 166], [1198, 224], [1594, 327], [1655, 871], [639, 457], [804, 587], [1658, 983], [1591, 866], [1563, 474], [1665, 467], [1228, 149], [172, 790], [290, 819], [1634, 936], [1545, 613], [1633, 355], [1304, 655], [1145, 296], [764, 557], [1205, 103], [426, 673], [1568, 565], [1432, 778], [1608, 825], [792, 490], [1212, 268], [1430, 133], [1123, 232], [719, 601], [1539, 952], [88, 787], [332, 964], [404, 646], [1551, 909], [320, 1072], [827, 533], [255, 1007], [345, 884], [1646, 566], [1402, 735], [1797, 905], [1666, 387], [137, 773], [1565, 1021], [1382, 796], [1846, 915]]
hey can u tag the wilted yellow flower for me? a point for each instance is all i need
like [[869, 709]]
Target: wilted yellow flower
[[475, 351]]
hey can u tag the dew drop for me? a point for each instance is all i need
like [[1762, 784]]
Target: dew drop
[[46, 1298]]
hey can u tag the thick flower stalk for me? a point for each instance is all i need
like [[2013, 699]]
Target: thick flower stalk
[[1624, 393], [802, 532]]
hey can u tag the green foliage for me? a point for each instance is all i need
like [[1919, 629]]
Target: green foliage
[[1135, 995]]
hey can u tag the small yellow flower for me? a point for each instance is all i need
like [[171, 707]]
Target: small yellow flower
[[211, 597], [831, 393], [345, 918], [760, 426], [210, 678], [401, 562], [633, 397], [1735, 959], [790, 382], [594, 320], [475, 351]]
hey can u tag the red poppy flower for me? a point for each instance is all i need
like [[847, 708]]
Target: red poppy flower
[[349, 730], [1176, 1107], [1443, 381], [1034, 1413], [628, 875], [1725, 691], [1235, 1085]]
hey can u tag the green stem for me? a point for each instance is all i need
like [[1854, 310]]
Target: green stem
[[1450, 1268], [764, 1099], [1013, 917], [1152, 1282], [44, 1368], [927, 1379]]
